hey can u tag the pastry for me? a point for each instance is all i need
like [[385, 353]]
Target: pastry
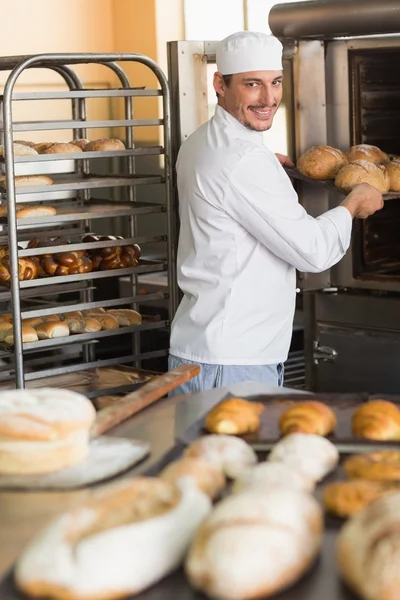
[[234, 416], [227, 453], [377, 420], [308, 417], [206, 477], [381, 465], [371, 154], [266, 475], [104, 145], [311, 454], [361, 171], [346, 498], [321, 162], [43, 430]]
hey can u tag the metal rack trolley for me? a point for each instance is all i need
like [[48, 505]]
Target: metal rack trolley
[[85, 208]]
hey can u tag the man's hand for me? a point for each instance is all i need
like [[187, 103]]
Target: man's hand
[[284, 160], [363, 201]]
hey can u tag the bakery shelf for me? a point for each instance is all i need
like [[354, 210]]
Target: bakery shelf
[[43, 158], [90, 245], [106, 93], [105, 124], [67, 288]]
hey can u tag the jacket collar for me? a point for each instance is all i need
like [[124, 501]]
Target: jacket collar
[[222, 116]]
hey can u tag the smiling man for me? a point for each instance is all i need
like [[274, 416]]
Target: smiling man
[[243, 233]]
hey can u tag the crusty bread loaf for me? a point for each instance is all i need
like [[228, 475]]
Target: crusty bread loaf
[[43, 430], [205, 476], [104, 145], [346, 498], [19, 150], [308, 417], [393, 170], [82, 324], [80, 142], [381, 465], [50, 318], [371, 154], [47, 331], [42, 146], [5, 329], [321, 162], [60, 148], [368, 550], [36, 211], [377, 420], [121, 541], [126, 316], [254, 545], [361, 171], [234, 416], [28, 335], [32, 321], [265, 475], [227, 453], [311, 454], [28, 181], [106, 321], [25, 143]]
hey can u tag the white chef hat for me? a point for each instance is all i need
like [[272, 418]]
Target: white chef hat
[[249, 51]]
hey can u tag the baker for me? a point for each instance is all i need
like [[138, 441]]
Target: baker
[[243, 233]]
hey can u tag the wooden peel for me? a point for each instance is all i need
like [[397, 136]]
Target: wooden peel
[[113, 415]]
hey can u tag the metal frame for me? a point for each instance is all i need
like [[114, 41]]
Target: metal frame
[[81, 181]]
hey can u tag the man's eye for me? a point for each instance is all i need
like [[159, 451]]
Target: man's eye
[[252, 84], [277, 82]]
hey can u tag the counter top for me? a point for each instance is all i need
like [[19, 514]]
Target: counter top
[[23, 514]]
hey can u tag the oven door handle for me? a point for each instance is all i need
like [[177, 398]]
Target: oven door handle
[[323, 353]]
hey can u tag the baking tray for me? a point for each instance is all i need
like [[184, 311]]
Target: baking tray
[[294, 173]]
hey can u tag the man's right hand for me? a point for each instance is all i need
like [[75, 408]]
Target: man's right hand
[[363, 201]]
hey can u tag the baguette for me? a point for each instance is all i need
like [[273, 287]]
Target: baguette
[[121, 541], [47, 331]]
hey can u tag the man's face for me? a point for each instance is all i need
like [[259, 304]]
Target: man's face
[[252, 98]]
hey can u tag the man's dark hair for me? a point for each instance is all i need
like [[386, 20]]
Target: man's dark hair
[[227, 81]]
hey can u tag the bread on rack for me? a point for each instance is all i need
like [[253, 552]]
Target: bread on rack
[[117, 543], [106, 321], [230, 454], [51, 330], [346, 498], [19, 150], [6, 318], [67, 263], [311, 416], [29, 334], [393, 170], [27, 268], [80, 142], [377, 420], [104, 145], [312, 455], [112, 257], [254, 545], [5, 329], [361, 171], [83, 324], [234, 416], [32, 321], [60, 148], [126, 317], [29, 212], [380, 465], [27, 181], [204, 475], [25, 143], [368, 550], [43, 430], [321, 162], [260, 478], [371, 154], [50, 318]]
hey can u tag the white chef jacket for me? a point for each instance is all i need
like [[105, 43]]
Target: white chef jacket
[[243, 234]]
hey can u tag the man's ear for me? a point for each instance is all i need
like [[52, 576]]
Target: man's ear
[[219, 85]]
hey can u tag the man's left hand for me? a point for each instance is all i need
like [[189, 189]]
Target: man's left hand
[[284, 160]]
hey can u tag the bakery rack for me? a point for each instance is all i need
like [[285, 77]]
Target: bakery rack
[[75, 183]]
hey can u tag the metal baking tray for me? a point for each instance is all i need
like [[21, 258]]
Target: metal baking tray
[[86, 93], [330, 184]]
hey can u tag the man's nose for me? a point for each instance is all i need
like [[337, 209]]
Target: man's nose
[[267, 95]]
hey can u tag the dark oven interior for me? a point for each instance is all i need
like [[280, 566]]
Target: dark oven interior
[[375, 116]]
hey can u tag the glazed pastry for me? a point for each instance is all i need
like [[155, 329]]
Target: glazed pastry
[[377, 420], [234, 416], [346, 498], [206, 477], [382, 465], [308, 417], [227, 453]]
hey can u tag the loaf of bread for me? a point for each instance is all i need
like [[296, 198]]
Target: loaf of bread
[[371, 154], [104, 145], [234, 416], [227, 453], [31, 212], [60, 148], [27, 181], [254, 545], [50, 318], [106, 321], [47, 331], [321, 162], [308, 417], [6, 318], [377, 420], [19, 150], [32, 321], [204, 475], [393, 170], [265, 475], [368, 550], [5, 329], [27, 268], [380, 465], [346, 498], [310, 454], [82, 324], [29, 334], [121, 541], [361, 171], [125, 316], [66, 263], [80, 142], [25, 143]]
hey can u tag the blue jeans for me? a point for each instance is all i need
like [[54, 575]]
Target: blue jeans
[[214, 376]]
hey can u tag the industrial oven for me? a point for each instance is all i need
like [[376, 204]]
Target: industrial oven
[[341, 87]]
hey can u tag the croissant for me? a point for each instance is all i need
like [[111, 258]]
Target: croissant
[[346, 498], [234, 416], [381, 465], [377, 420], [308, 417]]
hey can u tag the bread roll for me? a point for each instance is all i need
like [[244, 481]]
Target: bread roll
[[43, 430], [119, 542], [6, 318], [381, 465], [80, 142], [36, 211], [106, 321], [321, 162], [47, 331], [367, 152], [82, 324], [234, 416], [311, 454], [205, 476], [265, 475], [361, 171], [377, 420], [393, 170], [94, 310], [227, 453], [60, 148], [308, 417], [253, 546], [126, 317], [42, 146], [27, 181], [32, 322], [19, 150], [104, 145], [346, 498], [28, 335], [50, 318], [25, 143], [5, 329], [72, 313], [368, 550]]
